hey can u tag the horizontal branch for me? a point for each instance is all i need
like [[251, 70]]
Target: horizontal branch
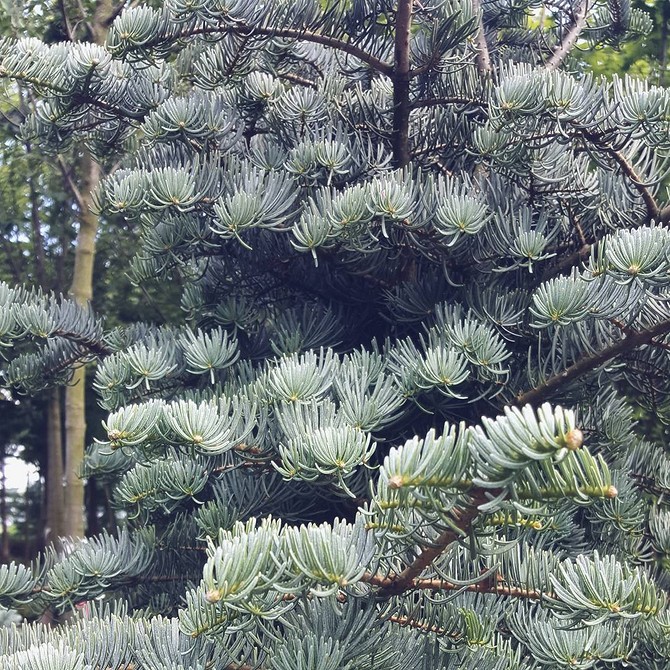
[[499, 587], [650, 485], [450, 100], [567, 262], [316, 38], [248, 30], [94, 346], [589, 363]]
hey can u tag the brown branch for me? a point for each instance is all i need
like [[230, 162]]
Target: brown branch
[[570, 38], [351, 49], [288, 33], [660, 345], [66, 21], [653, 209], [401, 78], [74, 189], [107, 21], [588, 363], [650, 485], [296, 79], [408, 578], [483, 57], [498, 587], [404, 621], [94, 346], [451, 100], [567, 262]]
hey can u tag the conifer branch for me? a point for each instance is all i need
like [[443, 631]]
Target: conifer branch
[[316, 38], [650, 485], [567, 262], [74, 189], [349, 254], [405, 621], [451, 100], [653, 210], [498, 587], [407, 579], [66, 20], [589, 363], [248, 30]]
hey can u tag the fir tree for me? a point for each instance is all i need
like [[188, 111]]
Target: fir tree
[[425, 270]]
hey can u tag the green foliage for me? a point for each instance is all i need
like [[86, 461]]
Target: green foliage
[[423, 266]]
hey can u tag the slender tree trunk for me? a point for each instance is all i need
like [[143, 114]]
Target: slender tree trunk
[[401, 79], [75, 411], [32, 542], [92, 507], [81, 289], [36, 228], [4, 538], [53, 481], [483, 58], [665, 20], [55, 498]]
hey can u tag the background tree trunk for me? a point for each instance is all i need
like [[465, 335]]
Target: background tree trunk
[[55, 498], [4, 535], [81, 290]]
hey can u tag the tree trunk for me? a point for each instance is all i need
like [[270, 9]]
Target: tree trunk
[[82, 282], [55, 498], [82, 291], [665, 19], [4, 538], [92, 507]]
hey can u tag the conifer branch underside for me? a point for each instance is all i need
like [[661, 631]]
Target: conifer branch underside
[[587, 364]]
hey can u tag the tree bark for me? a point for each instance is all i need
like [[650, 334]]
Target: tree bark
[[81, 289], [75, 411], [92, 507], [38, 246], [4, 537], [483, 57], [401, 79], [55, 497], [665, 19]]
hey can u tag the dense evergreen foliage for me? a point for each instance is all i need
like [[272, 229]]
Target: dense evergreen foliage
[[425, 271]]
